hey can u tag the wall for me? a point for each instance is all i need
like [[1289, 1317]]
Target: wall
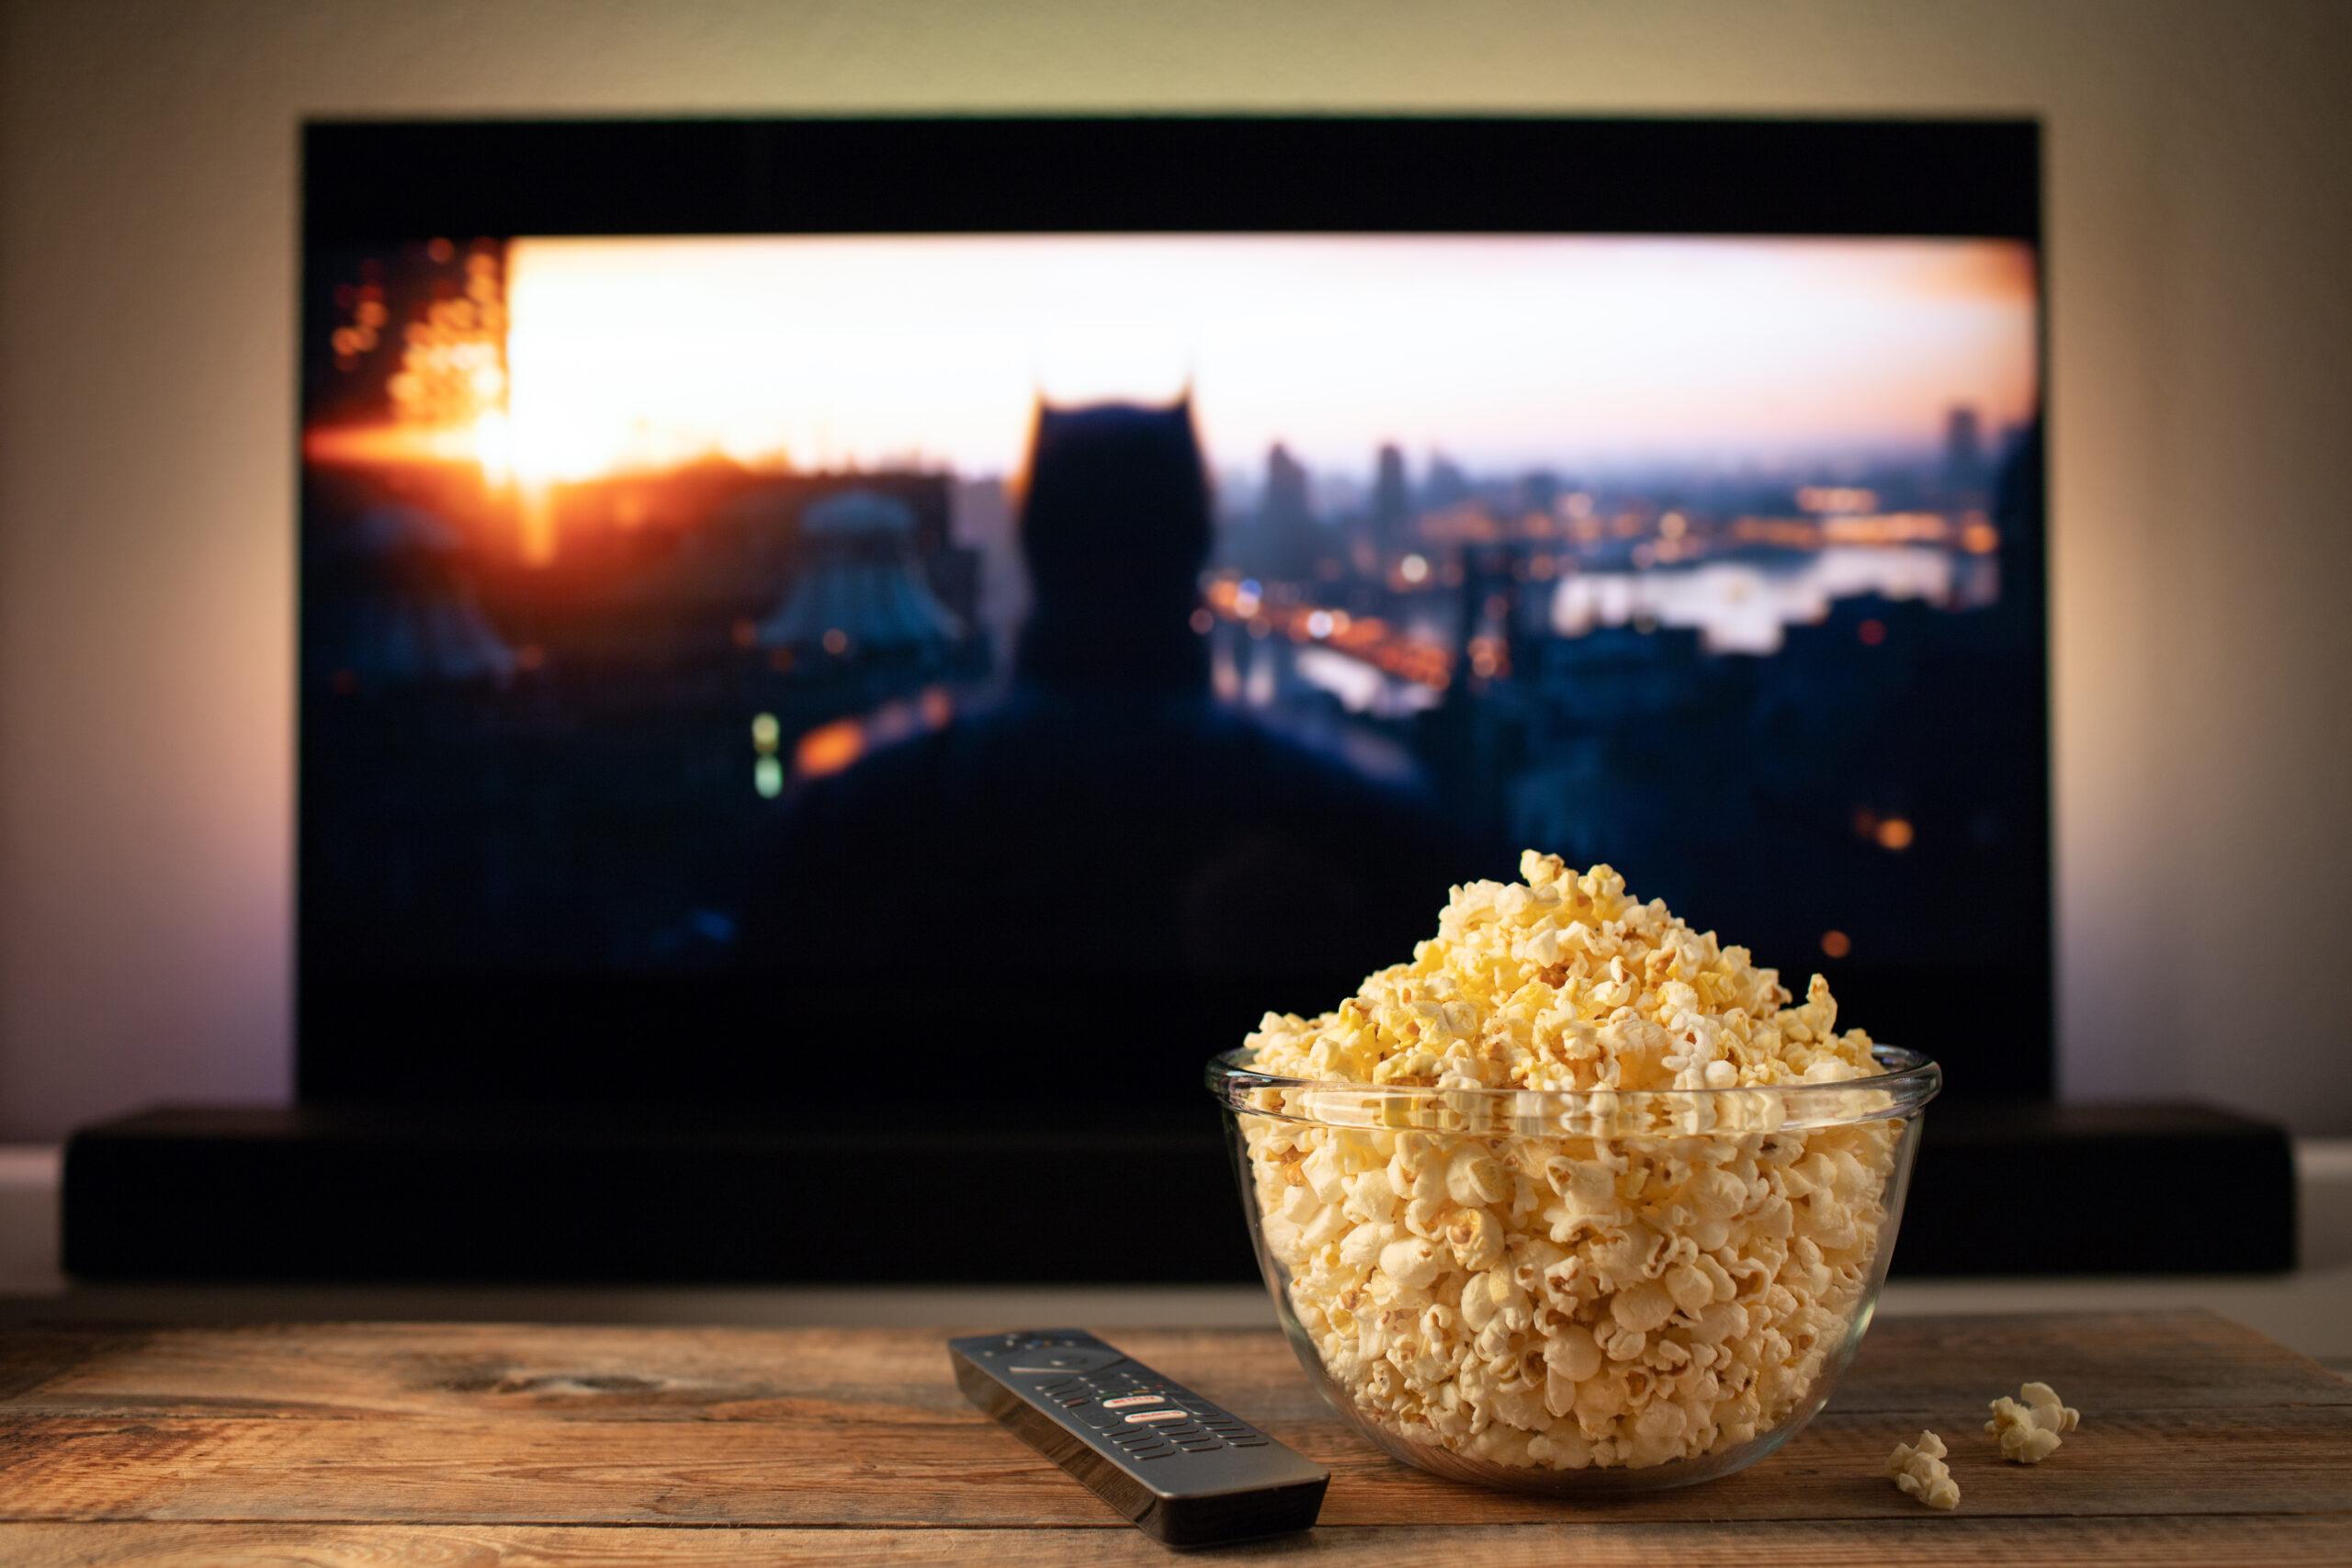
[[2200, 237]]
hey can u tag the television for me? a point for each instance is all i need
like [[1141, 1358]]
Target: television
[[681, 722]]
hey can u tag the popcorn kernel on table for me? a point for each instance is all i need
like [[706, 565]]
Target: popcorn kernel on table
[[2030, 1425], [1568, 1301], [1918, 1470]]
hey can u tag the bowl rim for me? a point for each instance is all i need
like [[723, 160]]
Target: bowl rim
[[1907, 1081]]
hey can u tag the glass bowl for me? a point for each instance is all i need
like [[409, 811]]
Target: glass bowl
[[1590, 1293]]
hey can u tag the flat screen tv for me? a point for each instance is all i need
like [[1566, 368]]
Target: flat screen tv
[[686, 717]]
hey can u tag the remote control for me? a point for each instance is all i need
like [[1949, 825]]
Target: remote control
[[1184, 1471]]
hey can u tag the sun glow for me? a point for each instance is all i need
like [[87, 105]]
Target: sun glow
[[826, 352]]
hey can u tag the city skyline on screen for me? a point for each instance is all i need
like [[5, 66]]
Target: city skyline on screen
[[1714, 557]]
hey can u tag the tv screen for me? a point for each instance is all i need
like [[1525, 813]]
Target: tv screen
[[980, 607]]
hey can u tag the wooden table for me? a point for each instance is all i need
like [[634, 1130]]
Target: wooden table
[[371, 1443]]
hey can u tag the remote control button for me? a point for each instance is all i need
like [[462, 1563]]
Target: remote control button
[[1158, 1415], [1126, 1399], [1066, 1360]]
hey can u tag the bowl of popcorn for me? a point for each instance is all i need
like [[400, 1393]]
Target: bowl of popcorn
[[1577, 1199]]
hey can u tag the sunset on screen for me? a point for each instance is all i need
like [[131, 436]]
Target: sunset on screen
[[824, 351]]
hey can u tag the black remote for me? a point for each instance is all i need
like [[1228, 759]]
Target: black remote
[[1184, 1471]]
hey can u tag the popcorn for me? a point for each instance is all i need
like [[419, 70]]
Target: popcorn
[[1918, 1470], [2028, 1424], [1630, 1281]]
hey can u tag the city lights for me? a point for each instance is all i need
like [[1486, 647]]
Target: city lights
[[829, 747], [1836, 499]]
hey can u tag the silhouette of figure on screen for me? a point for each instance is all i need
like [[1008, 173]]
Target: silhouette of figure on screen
[[1108, 847]]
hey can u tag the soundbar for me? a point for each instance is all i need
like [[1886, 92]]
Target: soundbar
[[671, 1195]]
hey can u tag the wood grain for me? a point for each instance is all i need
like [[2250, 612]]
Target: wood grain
[[2190, 1360], [457, 1443], [1929, 1541], [836, 1472]]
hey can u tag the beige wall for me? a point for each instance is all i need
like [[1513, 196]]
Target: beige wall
[[2200, 250]]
